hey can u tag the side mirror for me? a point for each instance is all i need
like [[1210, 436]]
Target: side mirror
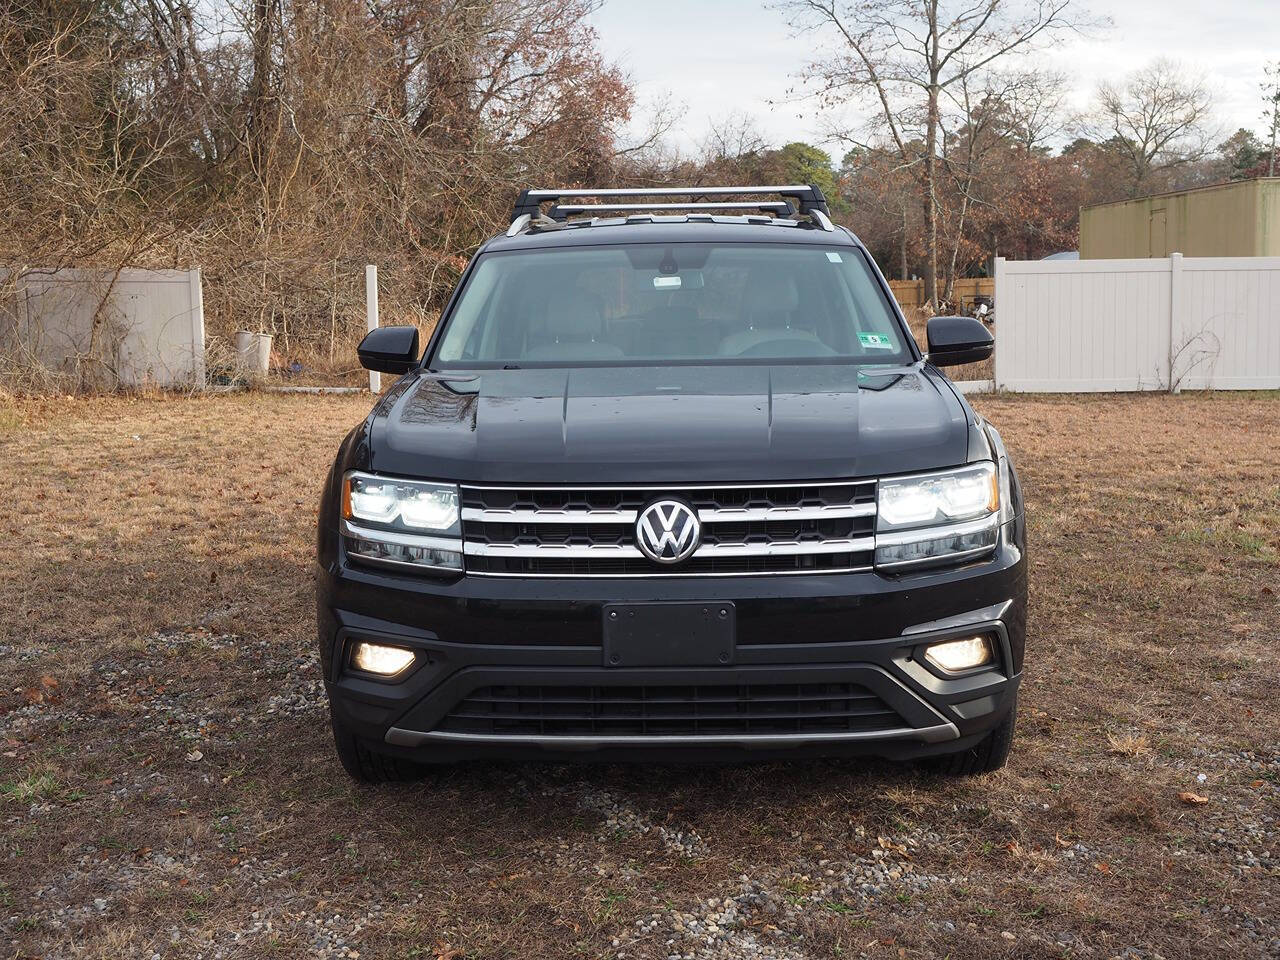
[[389, 349], [955, 340]]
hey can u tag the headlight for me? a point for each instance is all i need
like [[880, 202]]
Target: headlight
[[409, 504], [401, 523], [937, 517]]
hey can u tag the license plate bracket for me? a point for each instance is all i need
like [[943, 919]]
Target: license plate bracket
[[669, 634]]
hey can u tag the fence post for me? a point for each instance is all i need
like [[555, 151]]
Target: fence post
[[1175, 294], [371, 315], [196, 287], [998, 297]]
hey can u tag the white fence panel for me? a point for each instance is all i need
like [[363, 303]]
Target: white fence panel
[[1227, 324], [1105, 325], [136, 326]]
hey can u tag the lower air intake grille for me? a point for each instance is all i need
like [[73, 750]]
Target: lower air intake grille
[[639, 711]]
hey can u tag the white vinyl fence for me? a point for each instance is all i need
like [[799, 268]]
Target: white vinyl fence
[[126, 328], [1190, 323]]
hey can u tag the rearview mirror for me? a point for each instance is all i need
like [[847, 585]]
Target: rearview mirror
[[955, 340], [389, 349]]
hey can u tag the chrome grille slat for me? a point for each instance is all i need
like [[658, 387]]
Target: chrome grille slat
[[549, 516], [820, 527], [737, 514], [587, 550], [721, 515]]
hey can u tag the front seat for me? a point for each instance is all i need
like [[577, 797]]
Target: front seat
[[674, 330], [769, 304], [574, 321]]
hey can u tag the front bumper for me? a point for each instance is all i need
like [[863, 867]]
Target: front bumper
[[862, 630]]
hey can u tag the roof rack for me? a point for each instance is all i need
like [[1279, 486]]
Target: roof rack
[[808, 197]]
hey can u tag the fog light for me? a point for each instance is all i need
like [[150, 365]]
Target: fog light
[[375, 658], [956, 655]]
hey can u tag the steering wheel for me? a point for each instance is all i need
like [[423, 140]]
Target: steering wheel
[[789, 347]]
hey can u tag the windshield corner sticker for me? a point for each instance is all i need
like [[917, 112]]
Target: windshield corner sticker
[[834, 257], [875, 341], [666, 283]]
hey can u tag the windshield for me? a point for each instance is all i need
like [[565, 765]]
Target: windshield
[[682, 302]]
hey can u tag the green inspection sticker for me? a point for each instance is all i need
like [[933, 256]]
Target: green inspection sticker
[[875, 341]]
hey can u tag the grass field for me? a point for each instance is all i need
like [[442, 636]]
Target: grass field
[[168, 786]]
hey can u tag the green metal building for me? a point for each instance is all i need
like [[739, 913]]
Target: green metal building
[[1239, 219]]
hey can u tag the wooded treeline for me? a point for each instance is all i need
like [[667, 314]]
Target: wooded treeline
[[283, 144]]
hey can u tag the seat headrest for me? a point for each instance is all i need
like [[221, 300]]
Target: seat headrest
[[770, 294], [574, 316]]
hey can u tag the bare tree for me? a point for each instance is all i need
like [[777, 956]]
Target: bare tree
[[1035, 101], [1158, 120], [733, 137], [901, 56], [1271, 115], [985, 123]]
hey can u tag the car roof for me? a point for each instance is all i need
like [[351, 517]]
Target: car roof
[[671, 229]]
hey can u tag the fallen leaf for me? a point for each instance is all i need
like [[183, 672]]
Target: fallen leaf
[[195, 756], [1192, 799], [887, 844], [1102, 866]]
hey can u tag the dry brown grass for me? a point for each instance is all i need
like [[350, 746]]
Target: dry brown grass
[[157, 602]]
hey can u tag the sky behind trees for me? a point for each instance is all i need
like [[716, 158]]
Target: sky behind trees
[[713, 57]]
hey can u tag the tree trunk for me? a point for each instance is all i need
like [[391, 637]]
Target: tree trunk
[[955, 247], [930, 220], [259, 83], [931, 165], [902, 247], [1271, 161]]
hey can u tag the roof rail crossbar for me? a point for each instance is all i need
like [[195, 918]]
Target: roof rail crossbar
[[782, 208], [808, 197]]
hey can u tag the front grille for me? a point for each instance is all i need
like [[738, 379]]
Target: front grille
[[771, 528], [703, 710]]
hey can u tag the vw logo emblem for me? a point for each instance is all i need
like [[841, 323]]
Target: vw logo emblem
[[667, 531]]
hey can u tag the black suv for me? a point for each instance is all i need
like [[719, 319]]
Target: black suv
[[672, 480]]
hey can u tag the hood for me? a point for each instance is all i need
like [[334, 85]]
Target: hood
[[682, 424]]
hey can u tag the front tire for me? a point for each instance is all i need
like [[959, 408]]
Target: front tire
[[986, 756], [368, 766]]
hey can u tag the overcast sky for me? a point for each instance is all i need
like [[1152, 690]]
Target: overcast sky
[[714, 57]]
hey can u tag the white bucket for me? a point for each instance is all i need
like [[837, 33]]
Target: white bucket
[[253, 352]]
